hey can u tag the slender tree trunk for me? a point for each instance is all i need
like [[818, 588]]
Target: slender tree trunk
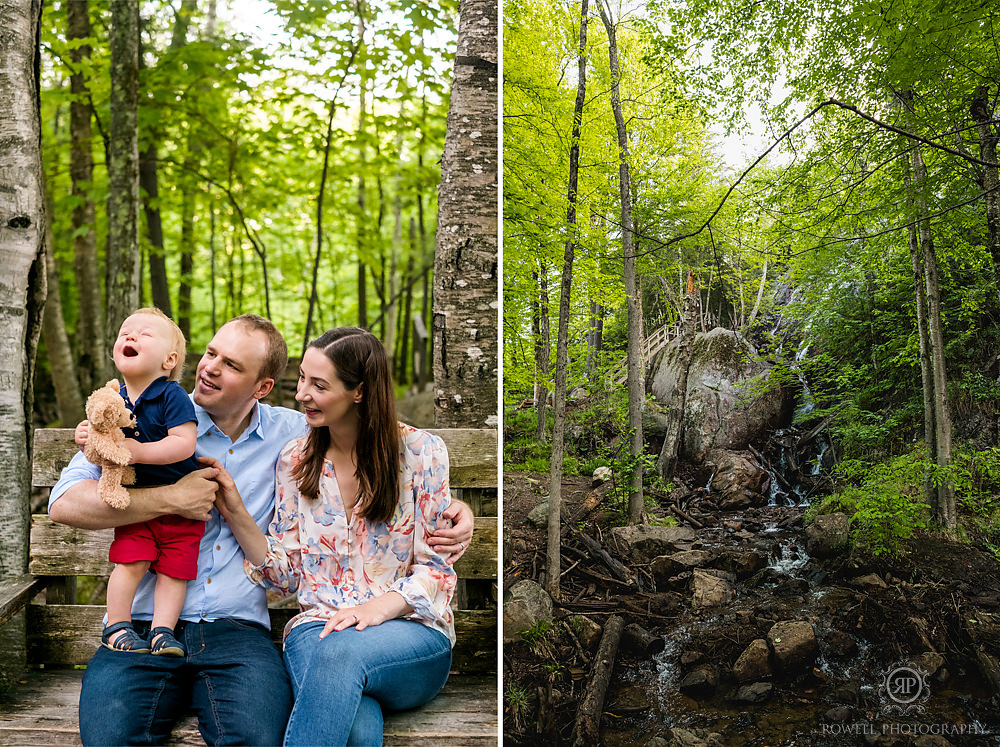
[[945, 505], [90, 320], [595, 337], [543, 343], [983, 116], [211, 251], [404, 343], [760, 296], [22, 296], [553, 548], [465, 259], [667, 462], [392, 312], [57, 348], [123, 171], [926, 376], [149, 184], [187, 260], [636, 385], [362, 165]]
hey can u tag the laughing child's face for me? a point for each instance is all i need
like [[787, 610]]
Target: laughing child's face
[[145, 347]]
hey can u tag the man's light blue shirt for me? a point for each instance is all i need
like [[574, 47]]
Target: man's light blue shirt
[[222, 589]]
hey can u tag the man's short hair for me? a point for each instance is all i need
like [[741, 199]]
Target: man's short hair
[[276, 355], [177, 342]]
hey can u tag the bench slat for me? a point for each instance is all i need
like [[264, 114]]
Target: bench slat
[[472, 456], [68, 634], [43, 710], [15, 594], [59, 550]]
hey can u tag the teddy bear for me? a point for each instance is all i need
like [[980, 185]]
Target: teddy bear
[[107, 415]]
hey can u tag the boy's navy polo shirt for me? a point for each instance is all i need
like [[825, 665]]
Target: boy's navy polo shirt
[[162, 406]]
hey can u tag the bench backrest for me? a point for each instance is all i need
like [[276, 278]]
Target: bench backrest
[[67, 633]]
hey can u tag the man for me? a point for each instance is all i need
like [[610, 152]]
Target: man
[[232, 677]]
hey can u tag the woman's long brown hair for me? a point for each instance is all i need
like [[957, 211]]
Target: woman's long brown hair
[[360, 360]]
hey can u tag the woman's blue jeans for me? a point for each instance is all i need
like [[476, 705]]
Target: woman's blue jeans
[[342, 682], [232, 678]]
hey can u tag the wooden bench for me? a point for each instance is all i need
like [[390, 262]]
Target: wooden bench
[[62, 635]]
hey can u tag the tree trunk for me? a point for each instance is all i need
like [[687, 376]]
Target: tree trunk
[[69, 400], [313, 298], [543, 344], [553, 549], [945, 505], [595, 338], [22, 296], [760, 296], [392, 312], [404, 342], [149, 184], [982, 116], [636, 385], [667, 462], [362, 163], [465, 260], [588, 717], [187, 259], [123, 171], [90, 320]]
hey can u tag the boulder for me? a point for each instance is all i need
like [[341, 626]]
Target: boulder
[[712, 588], [587, 631], [870, 581], [524, 604], [694, 738], [666, 566], [930, 662], [840, 645], [643, 542], [730, 400], [794, 644], [601, 475], [700, 682], [828, 535], [758, 692], [743, 563], [754, 663], [738, 482]]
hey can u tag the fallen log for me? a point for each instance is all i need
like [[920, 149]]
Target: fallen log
[[641, 641], [689, 519], [588, 717], [618, 570]]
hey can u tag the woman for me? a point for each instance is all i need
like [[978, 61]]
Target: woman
[[356, 500]]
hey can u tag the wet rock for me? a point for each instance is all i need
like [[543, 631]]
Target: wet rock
[[869, 582], [664, 603], [712, 588], [732, 525], [840, 645], [644, 542], [849, 693], [666, 566], [718, 412], [743, 563], [838, 714], [601, 475], [931, 740], [524, 604], [929, 662], [695, 738], [658, 742], [758, 692], [690, 658], [754, 663], [630, 700], [794, 644], [791, 586], [828, 535], [700, 682], [587, 631], [738, 481]]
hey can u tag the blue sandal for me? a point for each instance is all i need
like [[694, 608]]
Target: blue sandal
[[164, 644], [129, 641]]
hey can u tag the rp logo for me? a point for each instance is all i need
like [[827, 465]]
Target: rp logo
[[904, 689]]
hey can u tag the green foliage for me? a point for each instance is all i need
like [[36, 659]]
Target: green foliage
[[517, 705], [537, 633]]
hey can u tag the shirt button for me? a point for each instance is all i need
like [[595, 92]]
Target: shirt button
[[230, 451], [218, 547], [208, 581]]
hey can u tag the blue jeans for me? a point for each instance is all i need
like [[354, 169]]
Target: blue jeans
[[232, 678], [343, 682]]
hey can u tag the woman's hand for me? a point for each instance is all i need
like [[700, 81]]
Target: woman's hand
[[373, 612], [456, 539]]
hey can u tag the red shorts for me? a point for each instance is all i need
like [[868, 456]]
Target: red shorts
[[169, 543]]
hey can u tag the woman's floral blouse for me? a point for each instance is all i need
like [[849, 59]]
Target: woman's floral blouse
[[334, 563]]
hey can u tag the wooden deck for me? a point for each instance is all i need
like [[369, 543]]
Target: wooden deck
[[42, 710]]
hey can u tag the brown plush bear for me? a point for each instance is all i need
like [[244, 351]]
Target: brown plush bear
[[107, 414]]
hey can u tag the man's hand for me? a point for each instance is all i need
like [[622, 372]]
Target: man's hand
[[193, 496], [456, 539], [228, 499], [82, 433]]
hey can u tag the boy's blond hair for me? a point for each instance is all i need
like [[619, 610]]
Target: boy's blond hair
[[178, 342]]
